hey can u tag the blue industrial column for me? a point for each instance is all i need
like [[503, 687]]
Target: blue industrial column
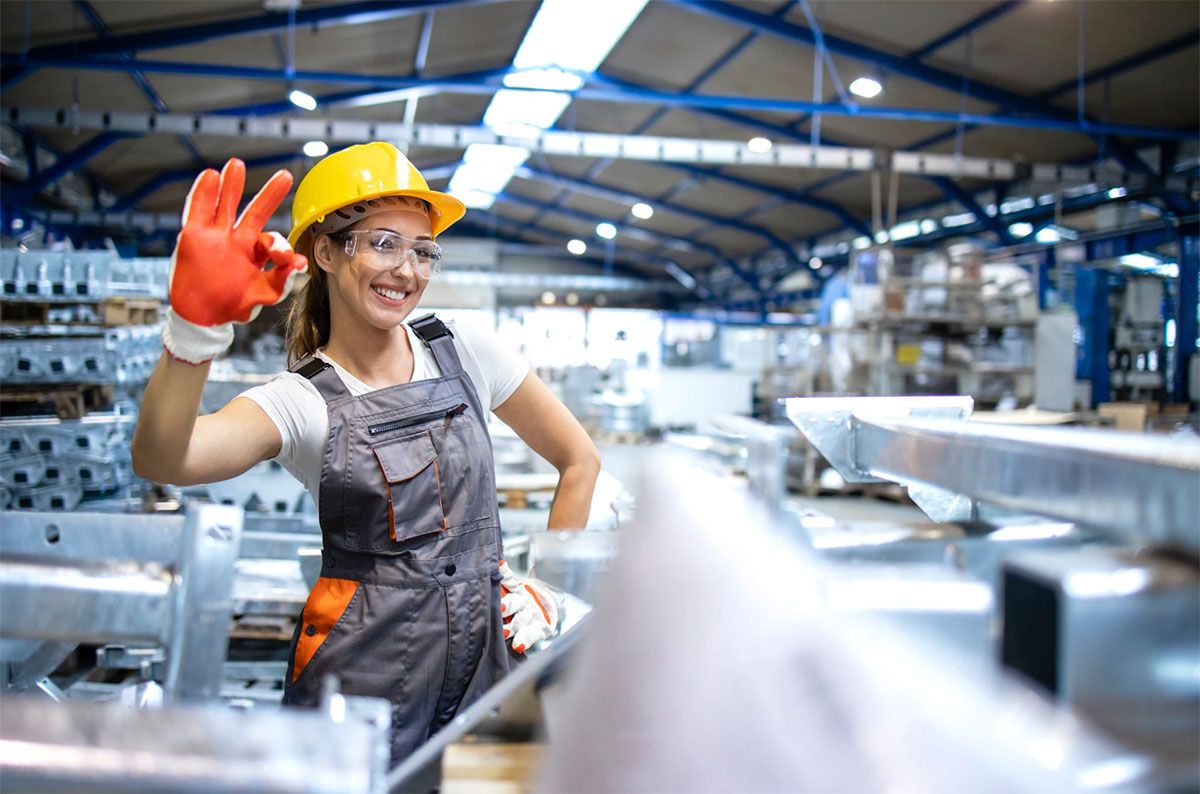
[[1091, 304], [1188, 297]]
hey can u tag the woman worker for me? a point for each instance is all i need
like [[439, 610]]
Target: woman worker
[[383, 421]]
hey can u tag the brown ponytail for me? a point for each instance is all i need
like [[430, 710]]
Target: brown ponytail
[[307, 325]]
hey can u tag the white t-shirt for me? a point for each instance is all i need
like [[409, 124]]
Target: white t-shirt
[[298, 410]]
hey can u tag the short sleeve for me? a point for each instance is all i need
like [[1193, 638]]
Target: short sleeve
[[500, 368], [289, 400]]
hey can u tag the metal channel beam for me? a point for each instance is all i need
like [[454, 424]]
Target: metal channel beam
[[88, 746], [44, 599], [1136, 489], [563, 144]]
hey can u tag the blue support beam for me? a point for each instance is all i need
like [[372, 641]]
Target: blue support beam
[[1091, 305], [965, 29], [930, 75], [791, 195], [139, 79], [1186, 302], [70, 162], [130, 200], [993, 225], [619, 197], [343, 14], [489, 224], [717, 255]]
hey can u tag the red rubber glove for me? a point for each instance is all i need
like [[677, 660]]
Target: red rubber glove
[[217, 270]]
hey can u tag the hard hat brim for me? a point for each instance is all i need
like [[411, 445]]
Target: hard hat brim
[[448, 210]]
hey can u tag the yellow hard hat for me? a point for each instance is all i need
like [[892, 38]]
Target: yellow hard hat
[[360, 173]]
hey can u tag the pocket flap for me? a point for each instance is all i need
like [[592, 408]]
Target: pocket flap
[[404, 458]]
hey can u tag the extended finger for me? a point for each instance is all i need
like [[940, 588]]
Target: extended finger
[[233, 184], [201, 202], [265, 202]]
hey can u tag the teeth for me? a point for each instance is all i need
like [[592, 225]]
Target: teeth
[[391, 294]]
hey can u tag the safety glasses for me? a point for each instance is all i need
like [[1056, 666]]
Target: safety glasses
[[382, 249]]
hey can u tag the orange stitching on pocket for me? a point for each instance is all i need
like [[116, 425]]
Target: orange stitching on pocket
[[388, 486], [325, 605], [438, 474]]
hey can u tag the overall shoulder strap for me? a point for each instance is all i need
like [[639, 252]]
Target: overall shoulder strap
[[440, 341], [323, 376]]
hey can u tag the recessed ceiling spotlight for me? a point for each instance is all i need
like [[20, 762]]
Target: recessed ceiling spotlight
[[606, 230], [815, 263], [642, 210], [302, 99], [866, 87], [548, 298], [316, 148], [577, 247], [758, 145]]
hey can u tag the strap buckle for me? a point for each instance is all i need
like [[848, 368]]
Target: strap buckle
[[430, 328], [310, 370]]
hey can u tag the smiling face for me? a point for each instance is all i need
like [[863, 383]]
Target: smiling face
[[381, 298]]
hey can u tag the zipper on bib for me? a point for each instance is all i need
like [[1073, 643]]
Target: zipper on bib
[[413, 421]]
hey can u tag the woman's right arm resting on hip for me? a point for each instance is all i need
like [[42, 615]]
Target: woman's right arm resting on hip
[[172, 444]]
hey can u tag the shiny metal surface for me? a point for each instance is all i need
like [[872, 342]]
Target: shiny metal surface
[[97, 601], [1137, 489], [81, 746]]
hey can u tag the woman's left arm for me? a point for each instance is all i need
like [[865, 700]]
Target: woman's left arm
[[550, 430]]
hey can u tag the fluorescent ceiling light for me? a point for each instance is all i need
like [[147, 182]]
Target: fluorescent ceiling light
[[903, 231], [387, 97], [963, 219], [485, 171], [302, 100], [566, 38], [1047, 235], [929, 226], [1020, 229], [1142, 261], [866, 87], [682, 276], [861, 242], [881, 237], [574, 35], [1116, 193], [316, 148], [642, 210], [577, 247], [524, 113], [606, 230], [758, 145], [550, 79], [496, 155]]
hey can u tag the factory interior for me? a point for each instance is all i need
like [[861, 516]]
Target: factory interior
[[811, 404]]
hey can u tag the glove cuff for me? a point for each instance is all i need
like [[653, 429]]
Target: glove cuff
[[195, 344]]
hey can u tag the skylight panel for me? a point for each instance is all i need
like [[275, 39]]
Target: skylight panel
[[566, 39]]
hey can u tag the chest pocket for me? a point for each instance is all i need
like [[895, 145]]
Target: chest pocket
[[414, 488]]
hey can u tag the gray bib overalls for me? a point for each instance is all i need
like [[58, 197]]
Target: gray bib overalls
[[408, 604]]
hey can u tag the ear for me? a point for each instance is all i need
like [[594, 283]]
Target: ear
[[324, 251]]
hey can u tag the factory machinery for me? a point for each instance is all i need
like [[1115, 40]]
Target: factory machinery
[[1051, 608]]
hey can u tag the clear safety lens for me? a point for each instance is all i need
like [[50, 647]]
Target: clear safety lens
[[382, 249]]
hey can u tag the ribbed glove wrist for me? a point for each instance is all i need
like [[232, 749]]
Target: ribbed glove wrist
[[193, 343]]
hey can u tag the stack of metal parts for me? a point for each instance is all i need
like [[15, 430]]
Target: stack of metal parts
[[79, 276], [80, 354], [113, 638], [80, 337], [1081, 546], [52, 464]]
